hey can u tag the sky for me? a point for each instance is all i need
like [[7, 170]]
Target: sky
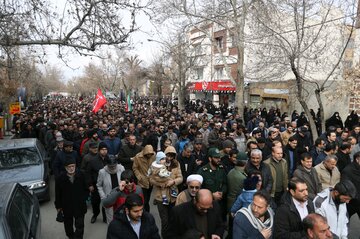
[[141, 46]]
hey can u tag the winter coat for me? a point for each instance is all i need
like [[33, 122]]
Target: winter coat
[[92, 170], [271, 162], [243, 200], [114, 145], [287, 224], [141, 166], [120, 227], [126, 153], [235, 180], [352, 173], [343, 160], [71, 197], [116, 198], [104, 180], [311, 179], [243, 229], [182, 220], [267, 179], [159, 187], [326, 179], [337, 219]]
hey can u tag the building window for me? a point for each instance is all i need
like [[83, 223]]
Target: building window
[[199, 73], [233, 40], [219, 42], [219, 73]]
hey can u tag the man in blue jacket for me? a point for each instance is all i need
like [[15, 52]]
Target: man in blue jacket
[[255, 221]]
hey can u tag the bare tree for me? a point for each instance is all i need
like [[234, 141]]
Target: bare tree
[[82, 25], [308, 39]]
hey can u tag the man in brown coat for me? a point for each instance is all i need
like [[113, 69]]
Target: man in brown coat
[[141, 165]]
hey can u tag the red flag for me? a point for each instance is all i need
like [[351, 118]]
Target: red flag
[[99, 102]]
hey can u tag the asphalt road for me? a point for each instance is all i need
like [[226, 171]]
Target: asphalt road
[[51, 229]]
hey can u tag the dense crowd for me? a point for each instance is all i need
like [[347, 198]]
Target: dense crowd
[[212, 171]]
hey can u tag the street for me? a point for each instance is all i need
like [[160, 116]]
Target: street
[[51, 229]]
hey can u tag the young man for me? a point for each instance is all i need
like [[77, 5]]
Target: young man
[[133, 222], [255, 221], [294, 207], [331, 203]]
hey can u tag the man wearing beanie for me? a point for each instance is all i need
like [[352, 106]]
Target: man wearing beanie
[[91, 174], [92, 136], [70, 195], [59, 162]]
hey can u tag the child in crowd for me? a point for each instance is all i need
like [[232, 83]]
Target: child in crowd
[[159, 170]]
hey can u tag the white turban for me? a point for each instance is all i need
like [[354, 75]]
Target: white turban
[[194, 177]]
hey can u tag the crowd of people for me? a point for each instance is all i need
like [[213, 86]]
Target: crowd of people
[[211, 171]]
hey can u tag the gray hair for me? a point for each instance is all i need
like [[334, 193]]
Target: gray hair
[[256, 151]]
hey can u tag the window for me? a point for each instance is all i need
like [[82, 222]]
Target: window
[[219, 73], [20, 214], [219, 42], [199, 73], [233, 40]]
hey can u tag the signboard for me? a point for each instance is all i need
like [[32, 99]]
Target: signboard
[[15, 108], [212, 86], [276, 91]]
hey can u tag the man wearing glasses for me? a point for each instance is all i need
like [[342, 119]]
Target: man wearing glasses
[[193, 182], [196, 219]]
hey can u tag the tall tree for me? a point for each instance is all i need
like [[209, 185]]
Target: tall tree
[[305, 38]]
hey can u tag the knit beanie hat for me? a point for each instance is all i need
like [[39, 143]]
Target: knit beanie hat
[[160, 155]]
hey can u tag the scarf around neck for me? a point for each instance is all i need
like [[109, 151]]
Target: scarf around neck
[[255, 222]]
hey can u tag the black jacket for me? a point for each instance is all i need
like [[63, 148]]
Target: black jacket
[[182, 221], [127, 152], [120, 227], [92, 169], [343, 160], [267, 180], [287, 223], [352, 173], [71, 197]]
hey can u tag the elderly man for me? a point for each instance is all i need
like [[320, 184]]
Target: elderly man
[[195, 218], [327, 171], [255, 221], [331, 203], [256, 164], [193, 182], [316, 227]]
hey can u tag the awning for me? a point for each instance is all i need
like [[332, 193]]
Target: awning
[[212, 86]]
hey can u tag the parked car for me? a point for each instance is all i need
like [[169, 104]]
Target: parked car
[[19, 213], [25, 161]]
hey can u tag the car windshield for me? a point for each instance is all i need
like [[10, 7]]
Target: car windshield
[[11, 158]]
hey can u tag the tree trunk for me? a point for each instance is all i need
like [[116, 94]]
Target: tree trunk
[[181, 99]]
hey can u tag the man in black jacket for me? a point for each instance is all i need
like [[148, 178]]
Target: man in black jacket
[[133, 222], [352, 172], [195, 218], [128, 152], [294, 208], [92, 169], [70, 198]]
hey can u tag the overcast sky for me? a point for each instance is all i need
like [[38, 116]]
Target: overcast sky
[[145, 49]]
